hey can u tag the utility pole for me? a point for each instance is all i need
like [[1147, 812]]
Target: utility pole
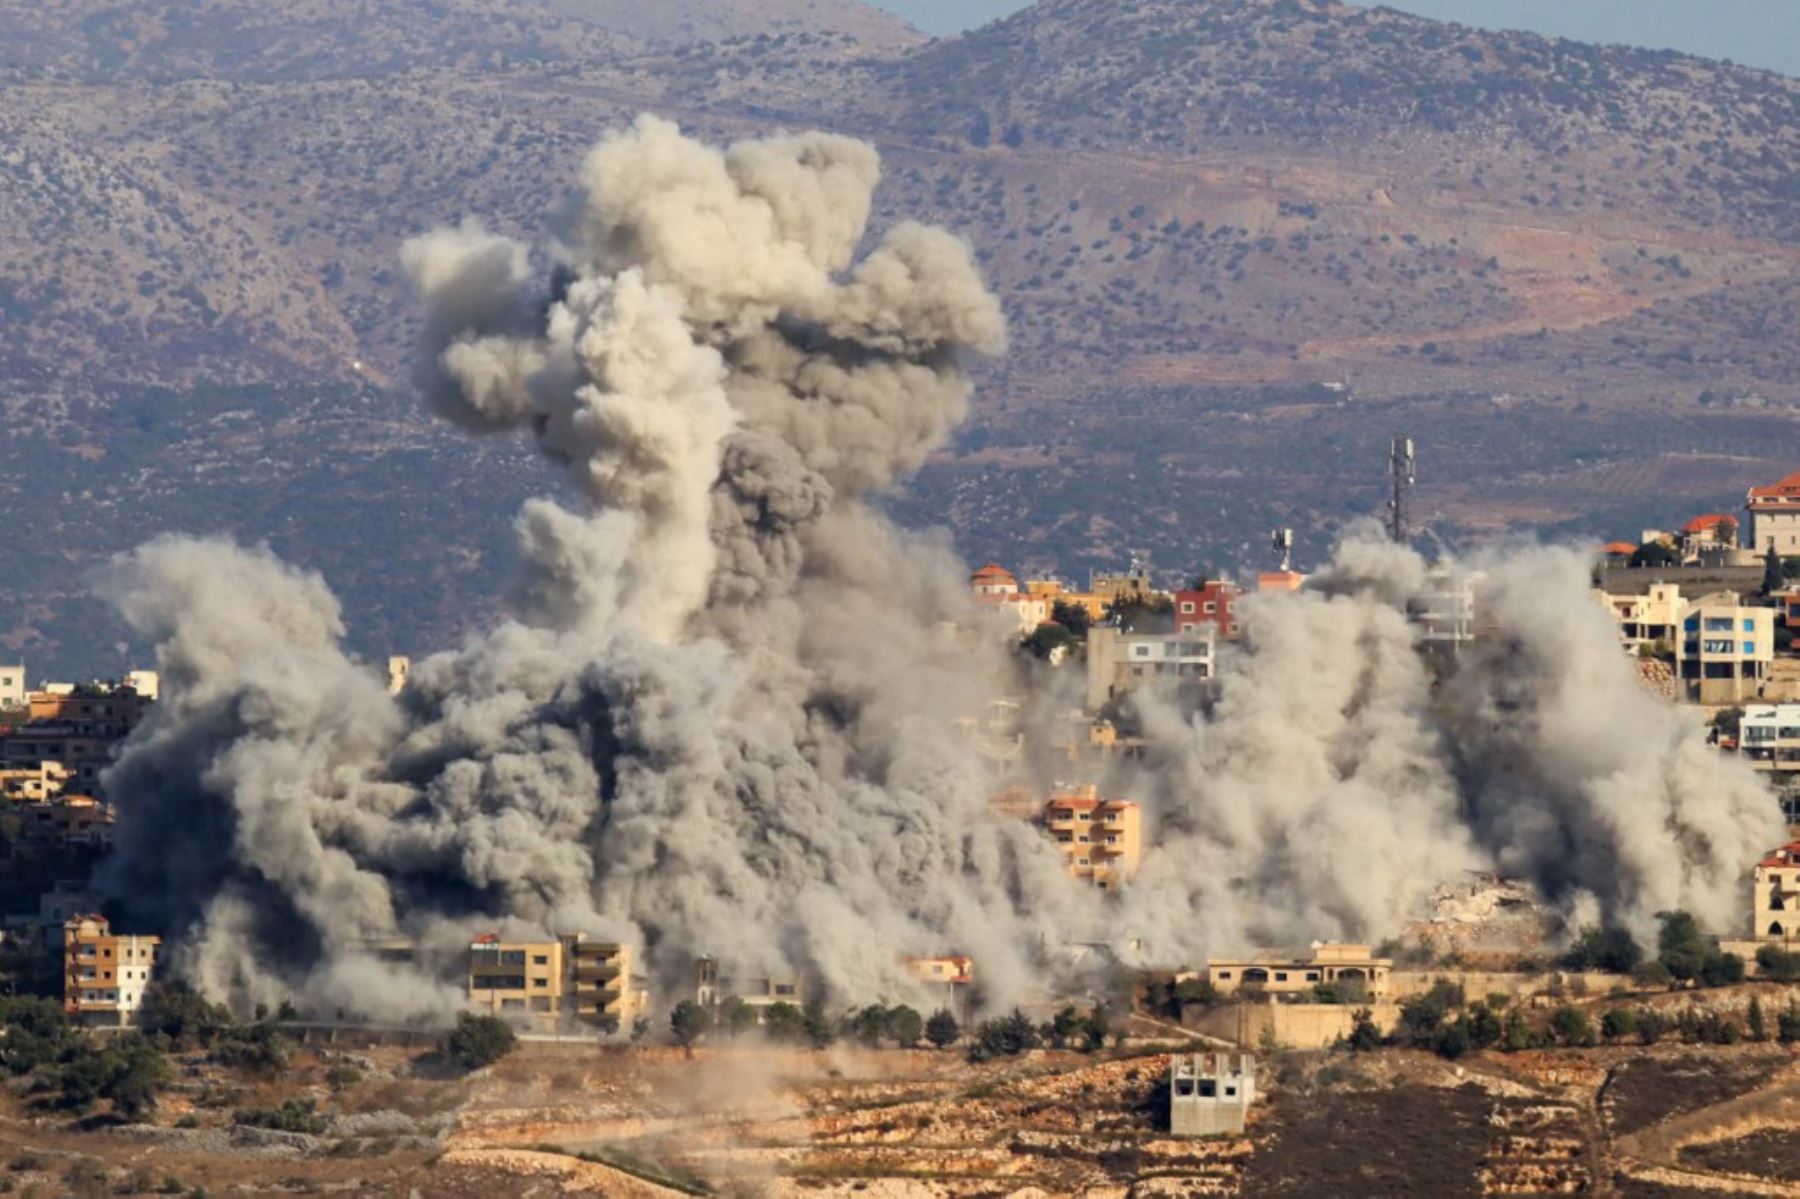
[[1401, 469]]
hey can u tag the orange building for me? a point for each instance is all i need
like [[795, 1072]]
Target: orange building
[[953, 970], [1102, 840], [105, 975]]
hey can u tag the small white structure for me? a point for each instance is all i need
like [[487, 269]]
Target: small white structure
[[12, 686], [1210, 1093]]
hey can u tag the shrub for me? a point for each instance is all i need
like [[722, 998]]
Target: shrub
[[1364, 1035], [1619, 1022], [339, 1077], [294, 1115], [1005, 1036], [904, 1026], [478, 1041], [1777, 964], [1610, 949], [1572, 1026], [942, 1030]]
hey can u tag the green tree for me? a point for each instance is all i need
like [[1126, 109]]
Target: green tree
[[1777, 964], [1721, 969], [477, 1041], [1065, 1025], [905, 1026], [1073, 617], [181, 1014], [736, 1017], [1518, 1035], [1774, 573], [784, 1023], [1656, 554], [1364, 1036], [1619, 1022], [1787, 1025], [1680, 946], [942, 1030], [869, 1025], [1004, 1036], [1096, 1028], [1045, 640], [1651, 1026], [689, 1022], [819, 1029], [1484, 1026], [1759, 1029], [1610, 949], [1572, 1026]]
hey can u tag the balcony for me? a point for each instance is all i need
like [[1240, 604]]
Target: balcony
[[597, 969]]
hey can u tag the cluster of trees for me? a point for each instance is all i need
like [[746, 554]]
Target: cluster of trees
[[1014, 1033], [786, 1024], [74, 1071], [1683, 954], [1167, 997], [1695, 1027]]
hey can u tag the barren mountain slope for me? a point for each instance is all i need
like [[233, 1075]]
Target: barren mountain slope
[[675, 21], [1540, 279]]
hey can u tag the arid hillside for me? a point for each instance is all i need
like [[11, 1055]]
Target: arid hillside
[[1240, 244]]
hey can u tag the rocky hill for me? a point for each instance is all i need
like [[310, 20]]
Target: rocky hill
[[1240, 244]]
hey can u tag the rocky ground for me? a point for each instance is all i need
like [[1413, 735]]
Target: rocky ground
[[577, 1120]]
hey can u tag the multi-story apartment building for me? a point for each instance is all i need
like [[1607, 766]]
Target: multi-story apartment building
[[105, 975], [1726, 649], [76, 727], [1769, 735], [1101, 840], [1776, 903], [1210, 605], [1775, 517], [39, 783], [1119, 662], [569, 978]]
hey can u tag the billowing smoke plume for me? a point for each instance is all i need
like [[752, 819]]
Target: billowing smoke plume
[[730, 712]]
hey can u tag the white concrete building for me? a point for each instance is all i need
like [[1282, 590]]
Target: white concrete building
[[1119, 662]]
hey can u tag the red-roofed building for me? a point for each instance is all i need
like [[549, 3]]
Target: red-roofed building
[[1714, 529], [1777, 897], [993, 579], [1620, 550], [1211, 603], [1775, 517]]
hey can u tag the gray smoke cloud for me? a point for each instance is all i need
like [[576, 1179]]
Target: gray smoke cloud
[[729, 713]]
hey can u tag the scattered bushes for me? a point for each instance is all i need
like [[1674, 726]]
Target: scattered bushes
[[294, 1115], [1004, 1036]]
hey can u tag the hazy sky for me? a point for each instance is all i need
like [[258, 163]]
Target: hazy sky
[[1762, 33]]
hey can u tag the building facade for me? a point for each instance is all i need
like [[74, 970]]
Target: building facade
[[1775, 517], [1119, 662], [105, 975], [1298, 973], [1209, 606], [1649, 619], [1776, 907], [1210, 1093], [1726, 649], [572, 978], [1101, 840], [12, 686]]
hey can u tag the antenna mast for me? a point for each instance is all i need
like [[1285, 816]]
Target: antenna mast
[[1282, 542], [1402, 470]]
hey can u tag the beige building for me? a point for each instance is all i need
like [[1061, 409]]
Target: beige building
[[1775, 517], [38, 783], [1118, 662], [1776, 897], [105, 975], [1298, 973], [571, 978], [1648, 619], [12, 686], [758, 991], [1726, 649], [1101, 840]]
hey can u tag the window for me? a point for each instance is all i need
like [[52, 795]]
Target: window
[[1187, 607], [540, 959], [1210, 608], [1749, 649], [540, 982], [1230, 1092], [1312, 976], [1749, 625], [1281, 976], [1223, 974]]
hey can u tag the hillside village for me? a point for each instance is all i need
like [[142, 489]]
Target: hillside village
[[1478, 972]]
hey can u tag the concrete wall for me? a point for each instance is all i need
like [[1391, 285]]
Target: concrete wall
[[1290, 1025]]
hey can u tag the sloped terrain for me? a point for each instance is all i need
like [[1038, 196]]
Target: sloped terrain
[[1240, 245]]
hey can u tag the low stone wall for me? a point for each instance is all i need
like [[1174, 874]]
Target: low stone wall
[[1291, 1025]]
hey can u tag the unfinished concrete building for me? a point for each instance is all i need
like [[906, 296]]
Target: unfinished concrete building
[[1210, 1093]]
